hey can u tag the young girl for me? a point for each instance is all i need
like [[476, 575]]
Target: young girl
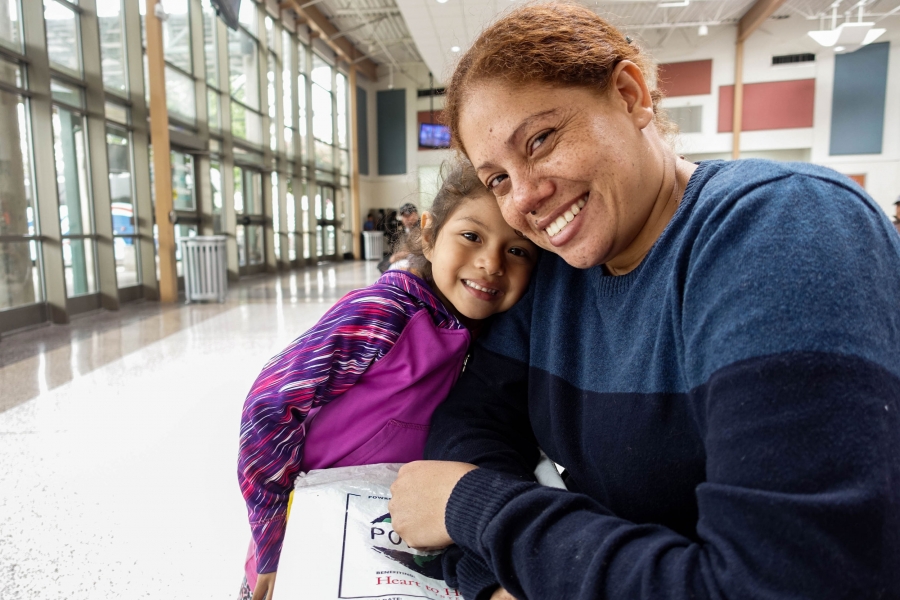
[[361, 385]]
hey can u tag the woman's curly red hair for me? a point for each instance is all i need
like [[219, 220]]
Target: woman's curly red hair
[[562, 44]]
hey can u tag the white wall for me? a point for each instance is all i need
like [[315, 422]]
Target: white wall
[[778, 37], [775, 37]]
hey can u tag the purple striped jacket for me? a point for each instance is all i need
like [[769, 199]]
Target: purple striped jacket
[[317, 368]]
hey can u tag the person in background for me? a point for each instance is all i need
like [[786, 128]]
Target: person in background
[[711, 350], [369, 225], [407, 220]]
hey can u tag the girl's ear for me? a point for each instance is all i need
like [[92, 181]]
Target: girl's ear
[[426, 224]]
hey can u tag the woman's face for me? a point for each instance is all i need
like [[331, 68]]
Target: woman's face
[[570, 167]]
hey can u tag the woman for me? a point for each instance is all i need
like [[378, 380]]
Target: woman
[[712, 352]]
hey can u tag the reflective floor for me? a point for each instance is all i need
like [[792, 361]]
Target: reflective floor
[[118, 440]]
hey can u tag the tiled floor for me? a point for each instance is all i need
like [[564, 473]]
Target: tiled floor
[[118, 440]]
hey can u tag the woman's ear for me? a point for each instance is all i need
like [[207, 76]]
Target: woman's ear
[[426, 224], [632, 89]]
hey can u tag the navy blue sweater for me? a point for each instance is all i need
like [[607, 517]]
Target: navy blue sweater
[[728, 413]]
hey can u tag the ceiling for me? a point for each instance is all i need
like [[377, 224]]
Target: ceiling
[[402, 33]]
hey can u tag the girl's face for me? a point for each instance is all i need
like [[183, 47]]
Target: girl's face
[[570, 167], [480, 265]]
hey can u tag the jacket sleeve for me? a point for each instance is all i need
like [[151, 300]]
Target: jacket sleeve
[[312, 371], [792, 346]]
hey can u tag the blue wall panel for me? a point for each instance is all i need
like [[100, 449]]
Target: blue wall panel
[[362, 130], [857, 106], [391, 132]]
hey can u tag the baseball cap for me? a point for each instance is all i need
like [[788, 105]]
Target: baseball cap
[[408, 208]]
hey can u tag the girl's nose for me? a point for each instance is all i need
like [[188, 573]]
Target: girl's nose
[[529, 192], [491, 261]]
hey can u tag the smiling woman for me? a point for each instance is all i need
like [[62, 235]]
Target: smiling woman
[[711, 351]]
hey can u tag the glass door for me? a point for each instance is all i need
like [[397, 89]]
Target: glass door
[[327, 223], [185, 215], [251, 222]]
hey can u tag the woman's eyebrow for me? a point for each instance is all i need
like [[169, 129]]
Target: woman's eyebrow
[[513, 139]]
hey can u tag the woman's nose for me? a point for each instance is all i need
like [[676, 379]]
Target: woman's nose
[[529, 192]]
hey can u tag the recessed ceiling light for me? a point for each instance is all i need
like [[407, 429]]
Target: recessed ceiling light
[[454, 49], [839, 48], [442, 1], [703, 30]]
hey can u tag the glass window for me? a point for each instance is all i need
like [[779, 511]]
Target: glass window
[[180, 95], [183, 197], [69, 94], [112, 45], [341, 98], [324, 157], [271, 74], [291, 216], [252, 192], [70, 152], [286, 79], [176, 30], [270, 32], [117, 112], [323, 126], [118, 146], [20, 280], [247, 16], [210, 35], [321, 72], [63, 40], [69, 146], [245, 123], [255, 247], [238, 190], [302, 51], [243, 68], [215, 180], [182, 232], [11, 74], [301, 113], [212, 109], [10, 25], [276, 215]]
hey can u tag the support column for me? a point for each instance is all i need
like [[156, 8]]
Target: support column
[[354, 167], [738, 104], [162, 167]]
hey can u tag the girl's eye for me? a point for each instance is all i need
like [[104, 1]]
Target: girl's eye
[[493, 182], [519, 252], [472, 237]]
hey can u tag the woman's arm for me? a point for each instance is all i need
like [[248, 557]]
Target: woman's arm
[[315, 369]]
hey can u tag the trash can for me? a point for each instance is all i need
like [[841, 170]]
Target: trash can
[[373, 245], [205, 268]]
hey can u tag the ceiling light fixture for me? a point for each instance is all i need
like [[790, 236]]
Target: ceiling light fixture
[[703, 30], [675, 4], [454, 49], [839, 48], [848, 35], [442, 1]]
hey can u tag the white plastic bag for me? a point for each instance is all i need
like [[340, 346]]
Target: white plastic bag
[[340, 543]]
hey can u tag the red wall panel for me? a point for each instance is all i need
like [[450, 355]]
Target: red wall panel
[[770, 105], [685, 78]]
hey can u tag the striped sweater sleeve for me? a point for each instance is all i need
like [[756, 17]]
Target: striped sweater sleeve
[[313, 370]]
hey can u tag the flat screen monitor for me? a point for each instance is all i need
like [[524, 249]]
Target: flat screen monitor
[[432, 135], [229, 11]]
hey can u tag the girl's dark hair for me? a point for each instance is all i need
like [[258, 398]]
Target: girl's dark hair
[[458, 184]]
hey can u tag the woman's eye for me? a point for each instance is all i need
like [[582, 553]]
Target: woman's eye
[[493, 182], [472, 237], [539, 140]]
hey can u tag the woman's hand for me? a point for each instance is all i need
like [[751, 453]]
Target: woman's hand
[[419, 499], [265, 585]]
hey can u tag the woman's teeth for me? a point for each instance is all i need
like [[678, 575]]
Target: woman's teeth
[[564, 219], [475, 286]]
